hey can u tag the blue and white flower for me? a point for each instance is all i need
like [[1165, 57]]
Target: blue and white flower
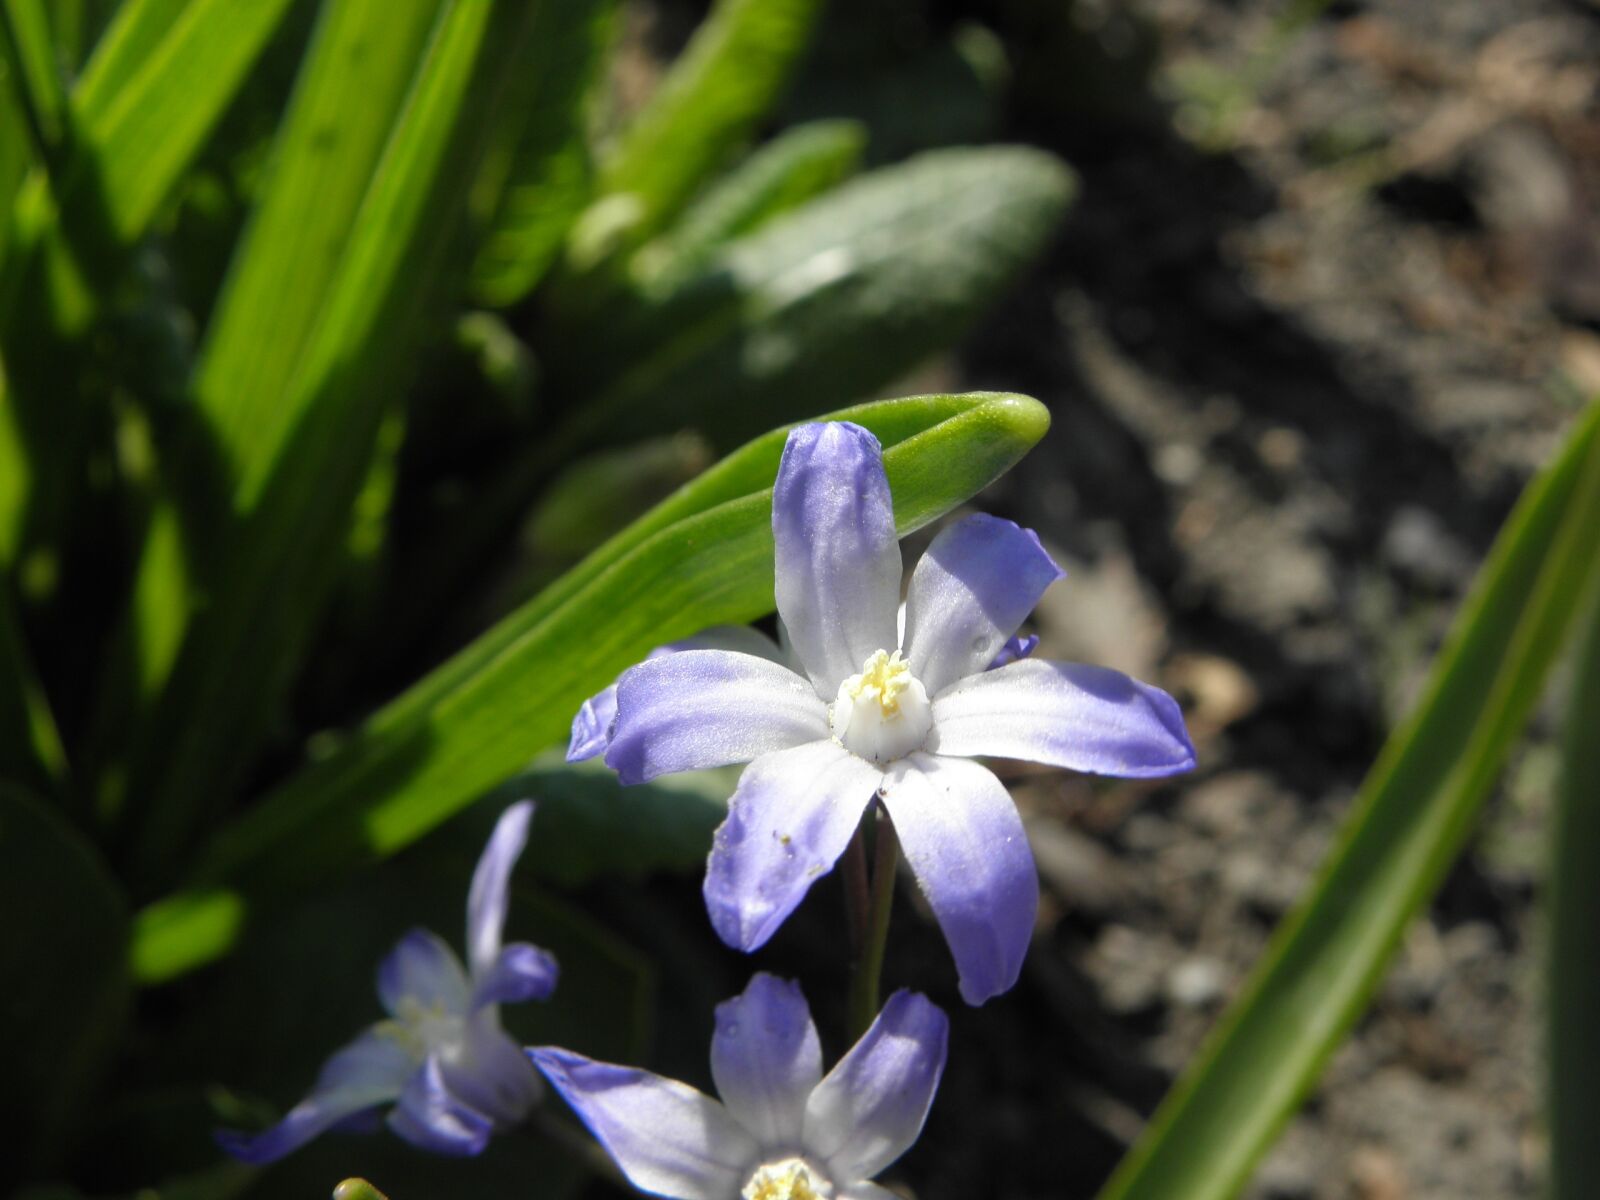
[[871, 713], [782, 1130], [441, 1057]]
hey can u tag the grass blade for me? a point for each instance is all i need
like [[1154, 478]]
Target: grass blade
[[702, 557], [1413, 813], [1573, 1049]]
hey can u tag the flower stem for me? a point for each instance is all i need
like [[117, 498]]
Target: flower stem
[[856, 895], [865, 980]]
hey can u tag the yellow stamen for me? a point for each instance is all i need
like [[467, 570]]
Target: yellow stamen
[[883, 677], [785, 1181]]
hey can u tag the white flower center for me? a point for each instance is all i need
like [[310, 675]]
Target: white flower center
[[883, 713], [422, 1029], [790, 1179]]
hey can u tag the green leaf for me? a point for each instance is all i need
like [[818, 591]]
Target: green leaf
[[701, 558], [837, 298], [603, 493], [591, 827], [352, 86], [143, 112], [537, 181], [1410, 820], [31, 53], [796, 166], [64, 945], [144, 133], [135, 32], [30, 747], [296, 498], [1573, 1048], [725, 81]]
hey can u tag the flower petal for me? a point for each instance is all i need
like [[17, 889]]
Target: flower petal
[[491, 884], [870, 1108], [1066, 714], [668, 1139], [368, 1072], [1015, 649], [707, 708], [965, 844], [838, 560], [422, 968], [520, 972], [591, 728], [788, 821], [977, 582], [765, 1058], [489, 1072], [431, 1116]]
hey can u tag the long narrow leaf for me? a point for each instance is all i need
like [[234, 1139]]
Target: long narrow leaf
[[239, 656], [154, 125], [133, 35], [355, 79], [353, 83], [31, 52], [30, 747], [796, 166], [538, 181], [703, 557], [726, 79], [134, 126], [1573, 1050], [1408, 824]]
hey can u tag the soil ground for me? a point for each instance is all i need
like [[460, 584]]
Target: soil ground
[[1324, 305]]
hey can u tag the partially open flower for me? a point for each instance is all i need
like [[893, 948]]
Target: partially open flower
[[782, 1130], [442, 1054]]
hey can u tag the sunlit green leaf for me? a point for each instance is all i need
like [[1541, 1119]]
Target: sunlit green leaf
[[725, 81], [537, 181], [797, 165], [1408, 824], [839, 297], [31, 52], [701, 558], [296, 500]]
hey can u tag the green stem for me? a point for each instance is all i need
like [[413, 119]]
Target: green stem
[[856, 896], [864, 982]]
